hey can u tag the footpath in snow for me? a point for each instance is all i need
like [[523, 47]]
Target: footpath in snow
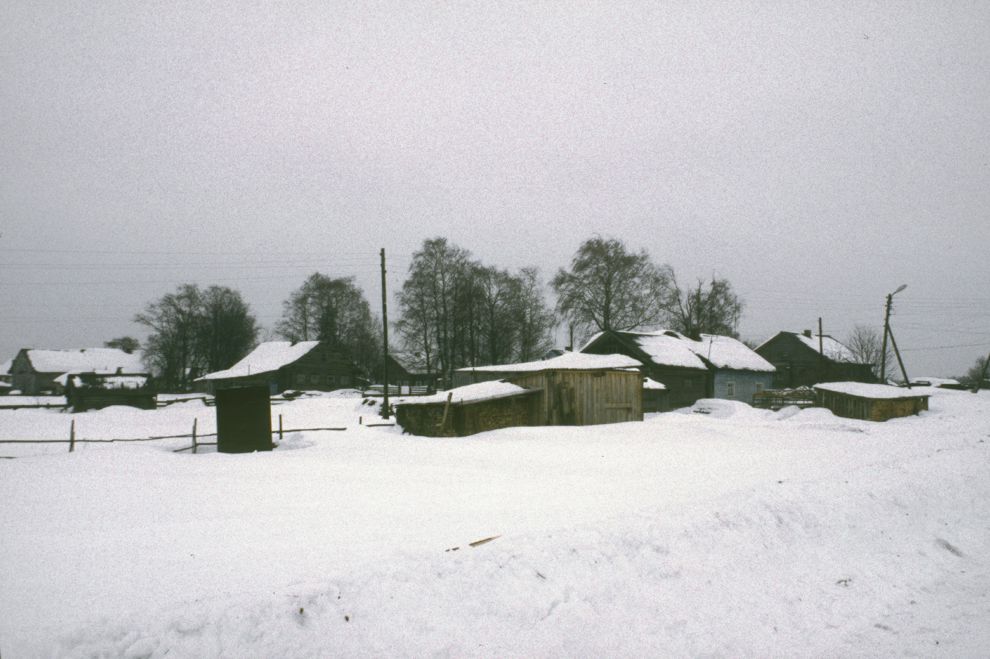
[[734, 533]]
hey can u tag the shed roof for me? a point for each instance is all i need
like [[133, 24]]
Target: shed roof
[[266, 358], [471, 393], [874, 391], [576, 361], [84, 360]]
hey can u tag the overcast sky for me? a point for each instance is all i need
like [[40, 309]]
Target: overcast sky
[[817, 154]]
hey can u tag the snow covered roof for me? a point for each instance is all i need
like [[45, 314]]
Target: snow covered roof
[[576, 361], [267, 357], [929, 381], [85, 360], [863, 390], [650, 383], [471, 393], [669, 348], [109, 380], [729, 353]]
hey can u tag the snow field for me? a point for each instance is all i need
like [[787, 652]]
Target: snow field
[[734, 533]]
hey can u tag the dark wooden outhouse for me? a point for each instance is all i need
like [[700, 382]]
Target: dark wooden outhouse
[[244, 419], [869, 402]]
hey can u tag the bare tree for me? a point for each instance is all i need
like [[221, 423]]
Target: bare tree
[[126, 343], [535, 320], [866, 345], [712, 310], [609, 288], [194, 331], [977, 375], [335, 312]]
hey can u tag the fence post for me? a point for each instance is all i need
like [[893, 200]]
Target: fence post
[[72, 436], [280, 426], [195, 420]]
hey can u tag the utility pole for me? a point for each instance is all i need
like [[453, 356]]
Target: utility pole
[[385, 341], [883, 349], [887, 332], [821, 346]]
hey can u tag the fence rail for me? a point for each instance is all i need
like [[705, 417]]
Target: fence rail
[[194, 436]]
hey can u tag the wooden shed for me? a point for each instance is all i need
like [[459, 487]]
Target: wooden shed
[[870, 402], [469, 410], [573, 389]]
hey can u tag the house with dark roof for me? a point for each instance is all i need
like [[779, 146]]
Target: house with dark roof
[[711, 367], [282, 365], [803, 359], [37, 371]]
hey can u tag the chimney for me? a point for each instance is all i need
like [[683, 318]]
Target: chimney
[[807, 333]]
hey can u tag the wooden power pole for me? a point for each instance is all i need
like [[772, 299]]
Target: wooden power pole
[[385, 341]]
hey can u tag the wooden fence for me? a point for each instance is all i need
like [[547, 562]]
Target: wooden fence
[[194, 436]]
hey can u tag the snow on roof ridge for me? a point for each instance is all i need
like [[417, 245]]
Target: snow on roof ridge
[[569, 360], [471, 393], [266, 358], [83, 359], [866, 390]]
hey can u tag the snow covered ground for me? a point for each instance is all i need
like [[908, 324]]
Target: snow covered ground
[[733, 533]]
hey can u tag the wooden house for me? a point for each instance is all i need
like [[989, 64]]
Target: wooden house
[[803, 359], [574, 389], [283, 365], [34, 372], [712, 367], [870, 402], [407, 374], [5, 386]]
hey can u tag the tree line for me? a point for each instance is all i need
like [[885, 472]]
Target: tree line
[[454, 311]]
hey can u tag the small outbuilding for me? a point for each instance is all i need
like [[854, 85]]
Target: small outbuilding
[[94, 391], [571, 390], [869, 402], [469, 410], [244, 419]]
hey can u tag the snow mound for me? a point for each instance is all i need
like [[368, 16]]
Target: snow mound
[[717, 408]]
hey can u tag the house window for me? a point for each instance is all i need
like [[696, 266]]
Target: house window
[[730, 389]]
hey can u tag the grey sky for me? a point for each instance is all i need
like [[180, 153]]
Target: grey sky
[[816, 154]]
